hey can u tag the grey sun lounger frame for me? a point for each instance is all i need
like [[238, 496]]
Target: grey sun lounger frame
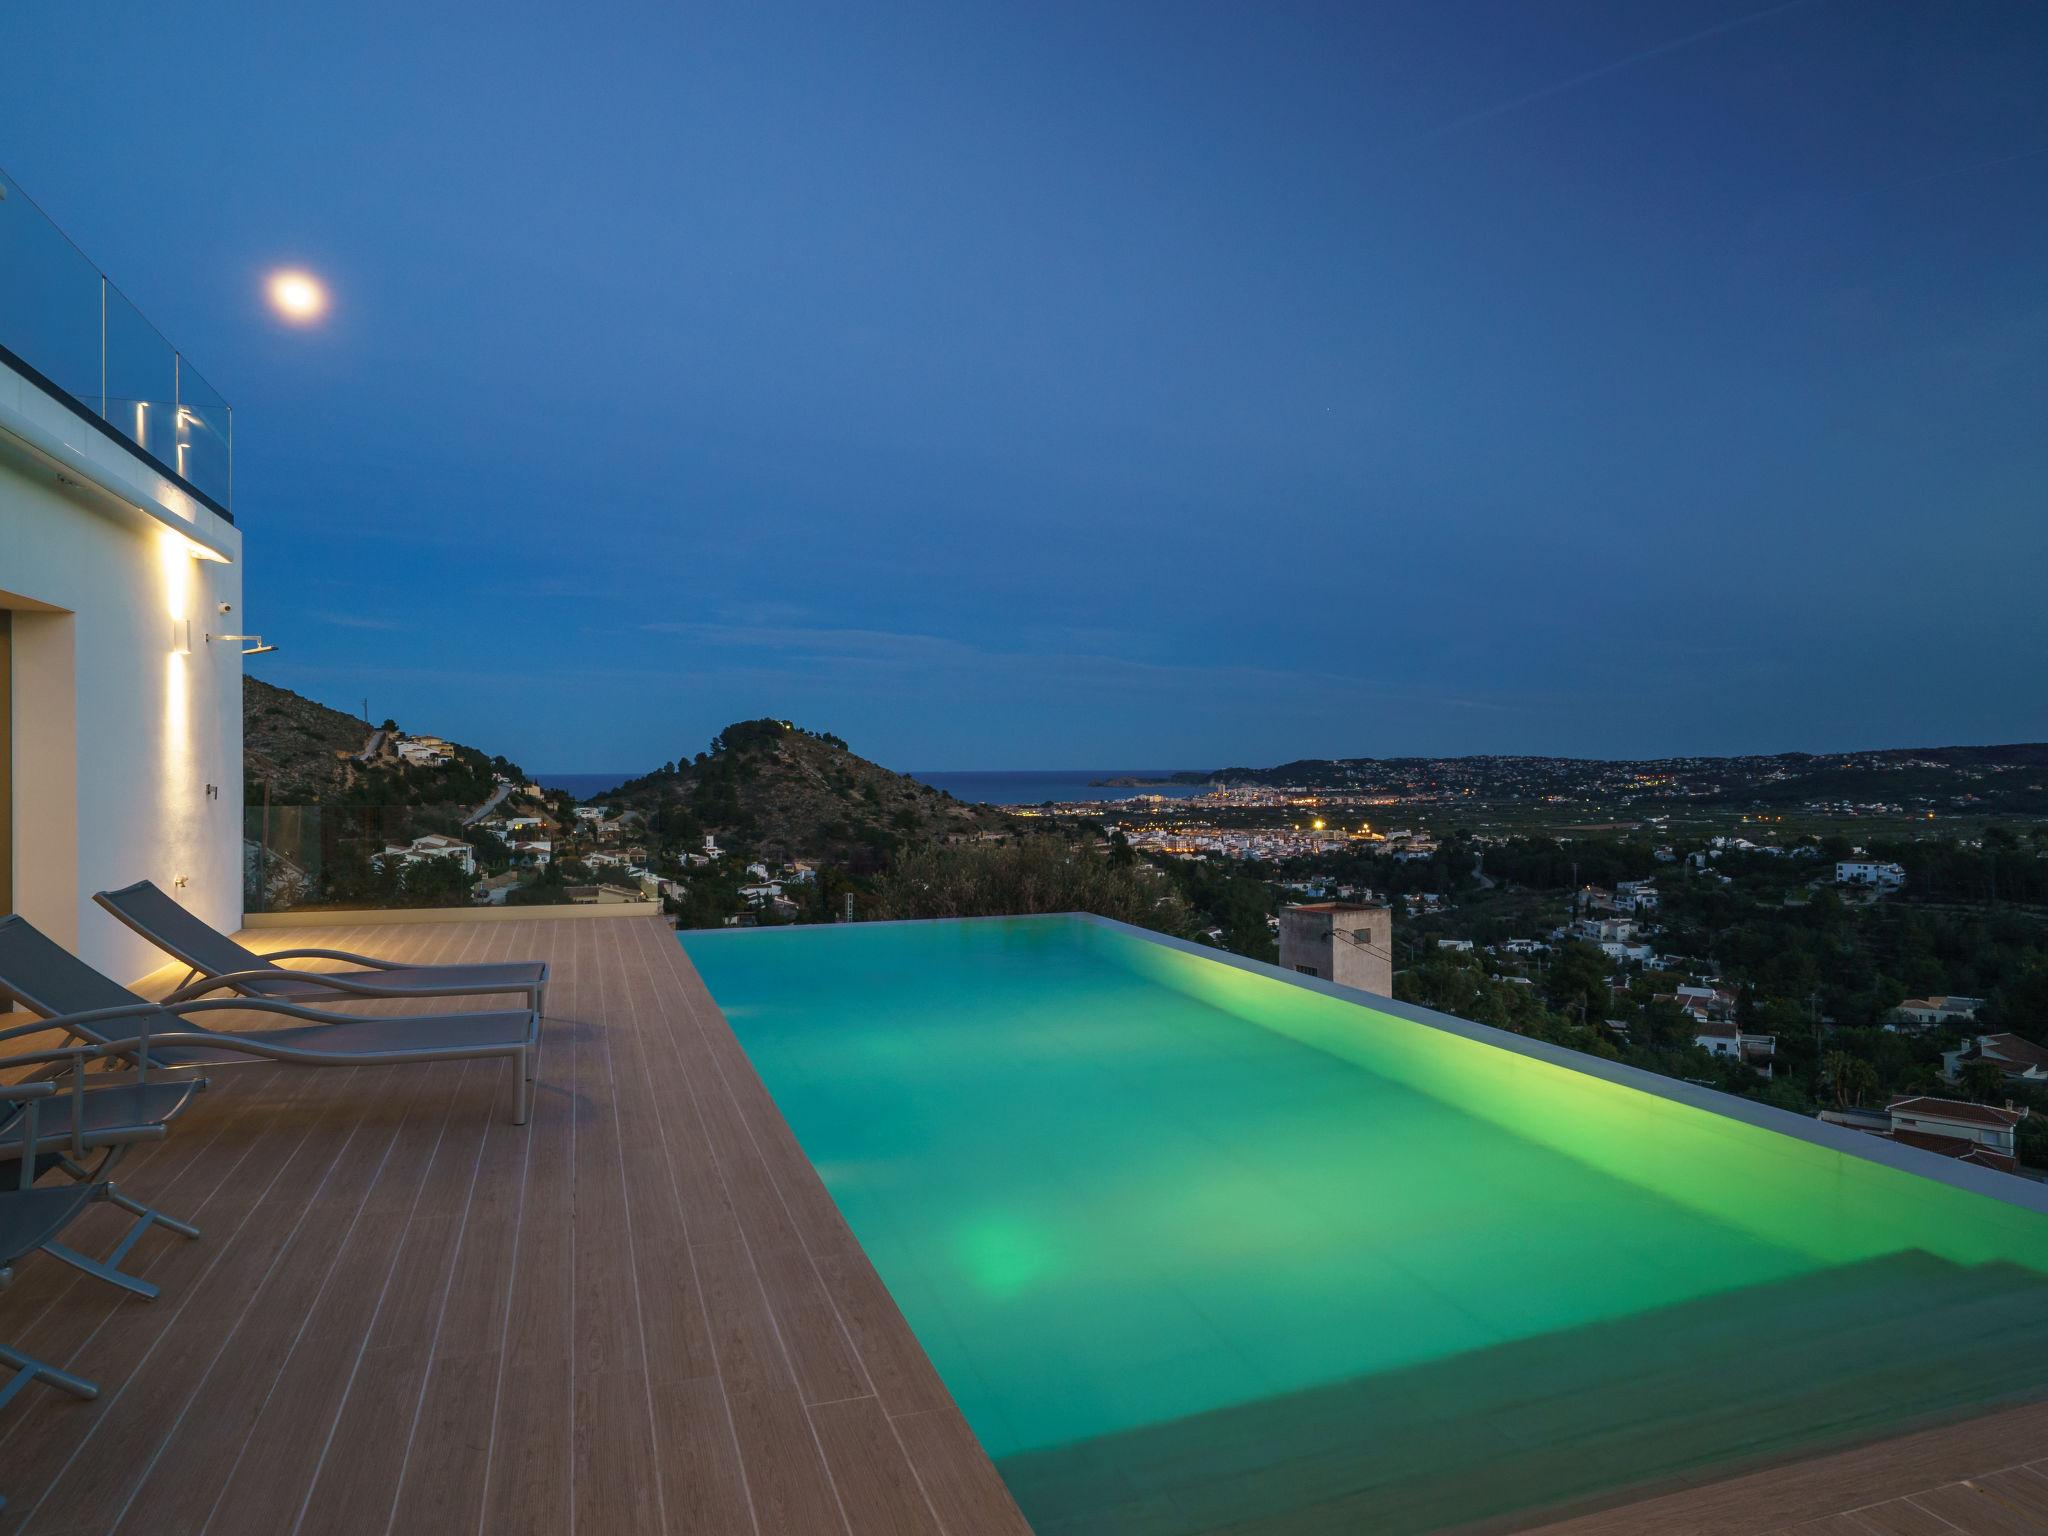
[[33, 1218], [109, 1114], [216, 961], [70, 995]]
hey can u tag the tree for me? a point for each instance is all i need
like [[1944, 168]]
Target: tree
[[1576, 984], [1981, 1082], [1851, 1079], [1032, 874]]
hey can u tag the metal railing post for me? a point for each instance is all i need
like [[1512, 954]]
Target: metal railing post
[[103, 346]]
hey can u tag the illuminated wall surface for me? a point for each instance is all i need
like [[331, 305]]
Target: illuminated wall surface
[[1195, 1247]]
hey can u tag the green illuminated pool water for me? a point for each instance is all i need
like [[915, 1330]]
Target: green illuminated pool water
[[1195, 1247]]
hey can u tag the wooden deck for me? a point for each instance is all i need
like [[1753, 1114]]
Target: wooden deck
[[640, 1313]]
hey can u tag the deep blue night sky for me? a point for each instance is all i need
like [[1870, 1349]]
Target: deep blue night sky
[[1104, 383]]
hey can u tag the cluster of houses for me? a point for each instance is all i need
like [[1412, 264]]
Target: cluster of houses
[[765, 889], [433, 845], [1984, 1134], [1410, 847], [1712, 1010], [1262, 845], [602, 843], [1612, 921]]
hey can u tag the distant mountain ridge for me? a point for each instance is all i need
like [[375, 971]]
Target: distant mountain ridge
[[772, 785], [2013, 774]]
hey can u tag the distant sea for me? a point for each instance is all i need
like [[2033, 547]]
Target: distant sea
[[584, 785], [1036, 786]]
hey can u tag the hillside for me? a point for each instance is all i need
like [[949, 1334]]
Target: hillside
[[771, 787], [308, 754]]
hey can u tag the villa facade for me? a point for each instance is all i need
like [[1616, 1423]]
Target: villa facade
[[120, 700]]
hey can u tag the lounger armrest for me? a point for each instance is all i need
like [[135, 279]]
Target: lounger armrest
[[334, 954], [74, 1054], [73, 1058], [72, 1021], [199, 986], [354, 985], [141, 1045], [213, 983], [290, 1010]]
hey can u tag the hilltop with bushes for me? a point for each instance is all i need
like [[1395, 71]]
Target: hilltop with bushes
[[772, 788], [304, 753]]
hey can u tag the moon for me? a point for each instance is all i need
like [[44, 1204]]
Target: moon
[[298, 296]]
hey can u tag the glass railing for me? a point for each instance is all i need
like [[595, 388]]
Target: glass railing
[[63, 318], [312, 856]]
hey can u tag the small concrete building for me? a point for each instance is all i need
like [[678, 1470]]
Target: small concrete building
[[1346, 942]]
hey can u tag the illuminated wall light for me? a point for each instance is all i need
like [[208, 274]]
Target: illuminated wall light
[[181, 637]]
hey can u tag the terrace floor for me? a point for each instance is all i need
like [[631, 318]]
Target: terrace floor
[[639, 1313]]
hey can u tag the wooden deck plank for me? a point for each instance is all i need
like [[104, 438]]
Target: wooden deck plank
[[1901, 1517], [878, 1490], [706, 1493], [1976, 1510], [963, 1487], [787, 1479]]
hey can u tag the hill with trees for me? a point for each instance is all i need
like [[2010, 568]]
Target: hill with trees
[[772, 788], [301, 752]]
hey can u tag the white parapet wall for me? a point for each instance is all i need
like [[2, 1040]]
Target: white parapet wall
[[125, 720]]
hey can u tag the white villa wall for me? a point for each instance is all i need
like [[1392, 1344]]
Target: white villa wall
[[116, 737]]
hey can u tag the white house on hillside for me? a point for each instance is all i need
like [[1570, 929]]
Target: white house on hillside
[[1727, 1040], [2018, 1058], [432, 846], [1928, 1012], [1871, 872]]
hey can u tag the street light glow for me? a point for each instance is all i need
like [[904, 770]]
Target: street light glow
[[298, 296]]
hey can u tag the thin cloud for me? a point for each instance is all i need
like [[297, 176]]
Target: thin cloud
[[1618, 66], [1968, 168]]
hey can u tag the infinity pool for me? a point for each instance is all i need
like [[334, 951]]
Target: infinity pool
[[1195, 1247]]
